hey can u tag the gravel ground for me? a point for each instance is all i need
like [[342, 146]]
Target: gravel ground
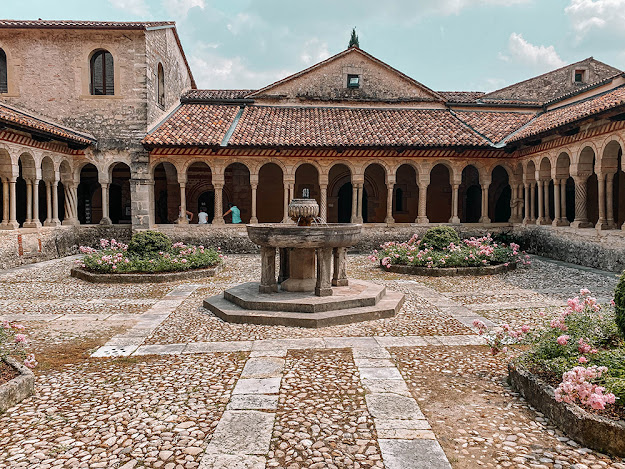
[[479, 421], [105, 413], [322, 419]]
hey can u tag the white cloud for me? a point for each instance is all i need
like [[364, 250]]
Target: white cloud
[[538, 57], [180, 8], [214, 72], [456, 6], [314, 51], [589, 15], [135, 7]]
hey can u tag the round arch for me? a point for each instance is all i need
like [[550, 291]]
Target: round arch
[[438, 205], [166, 192], [340, 193], [470, 195], [270, 193]]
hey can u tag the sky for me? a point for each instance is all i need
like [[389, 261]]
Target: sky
[[448, 45]]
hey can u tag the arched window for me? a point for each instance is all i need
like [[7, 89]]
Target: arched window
[[161, 86], [102, 81], [4, 84]]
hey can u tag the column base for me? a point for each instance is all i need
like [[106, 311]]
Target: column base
[[560, 222], [422, 220], [32, 224], [389, 220], [540, 221], [603, 225], [254, 220], [581, 224], [106, 221], [323, 291], [50, 223], [546, 221], [340, 282], [454, 220], [13, 225], [268, 288], [484, 220], [218, 221], [70, 222]]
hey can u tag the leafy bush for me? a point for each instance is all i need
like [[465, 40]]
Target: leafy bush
[[114, 257], [13, 343], [619, 304], [149, 242], [440, 237], [472, 252]]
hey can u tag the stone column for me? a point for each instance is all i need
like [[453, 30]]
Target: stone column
[[285, 218], [546, 201], [581, 213], [339, 279], [565, 220], [48, 221], [390, 185], [182, 216], [527, 218], [29, 204], [541, 203], [484, 218], [291, 191], [324, 272], [609, 191], [557, 220], [602, 223], [13, 224], [354, 203], [533, 202], [360, 217], [268, 282], [253, 218], [5, 204], [323, 206], [55, 204], [36, 220], [454, 204], [423, 195], [218, 219]]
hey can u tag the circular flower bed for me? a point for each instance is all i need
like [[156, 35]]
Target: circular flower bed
[[150, 256], [441, 252], [574, 369]]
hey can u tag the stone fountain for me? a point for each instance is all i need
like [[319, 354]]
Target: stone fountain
[[312, 288]]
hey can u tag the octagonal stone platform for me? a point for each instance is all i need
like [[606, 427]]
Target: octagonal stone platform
[[359, 301]]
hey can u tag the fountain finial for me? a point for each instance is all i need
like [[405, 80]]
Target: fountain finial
[[303, 211]]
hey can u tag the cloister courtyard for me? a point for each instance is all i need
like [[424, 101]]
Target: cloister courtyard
[[134, 375]]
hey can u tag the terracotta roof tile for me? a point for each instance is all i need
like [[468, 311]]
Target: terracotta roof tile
[[494, 125], [17, 117], [194, 125], [567, 114], [71, 24], [461, 96], [215, 95], [351, 127]]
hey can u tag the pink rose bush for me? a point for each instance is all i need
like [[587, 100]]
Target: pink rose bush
[[471, 252], [114, 256], [583, 347], [13, 343]]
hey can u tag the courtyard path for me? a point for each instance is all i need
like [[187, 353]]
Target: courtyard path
[[143, 376]]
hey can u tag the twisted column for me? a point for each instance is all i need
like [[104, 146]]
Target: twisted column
[[218, 219], [581, 212], [323, 207]]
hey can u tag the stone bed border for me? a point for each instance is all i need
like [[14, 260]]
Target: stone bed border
[[160, 277], [591, 430], [450, 271], [17, 389]]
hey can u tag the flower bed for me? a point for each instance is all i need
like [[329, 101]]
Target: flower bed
[[18, 381], [441, 252], [573, 370], [150, 256]]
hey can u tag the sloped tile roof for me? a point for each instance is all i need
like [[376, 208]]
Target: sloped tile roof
[[568, 114], [494, 125], [215, 95], [71, 24], [350, 127], [461, 96], [194, 125], [23, 119]]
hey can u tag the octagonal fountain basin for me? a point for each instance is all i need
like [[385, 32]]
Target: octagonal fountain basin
[[278, 235]]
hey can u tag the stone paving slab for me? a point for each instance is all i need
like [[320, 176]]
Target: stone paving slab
[[390, 406], [232, 461], [263, 367], [111, 351], [253, 402], [413, 454], [243, 432], [210, 347], [380, 373], [257, 386], [169, 349]]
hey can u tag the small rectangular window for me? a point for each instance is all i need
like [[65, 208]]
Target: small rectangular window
[[353, 81], [579, 76]]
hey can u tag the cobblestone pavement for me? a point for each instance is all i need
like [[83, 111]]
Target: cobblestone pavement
[[197, 392]]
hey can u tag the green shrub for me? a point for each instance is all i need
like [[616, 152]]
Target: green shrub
[[617, 387], [619, 304], [440, 237], [148, 242]]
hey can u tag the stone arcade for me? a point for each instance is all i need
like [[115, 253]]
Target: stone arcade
[[104, 132]]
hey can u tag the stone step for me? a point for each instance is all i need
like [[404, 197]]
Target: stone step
[[355, 295], [387, 307]]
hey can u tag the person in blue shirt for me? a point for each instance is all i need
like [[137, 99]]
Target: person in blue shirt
[[236, 213]]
